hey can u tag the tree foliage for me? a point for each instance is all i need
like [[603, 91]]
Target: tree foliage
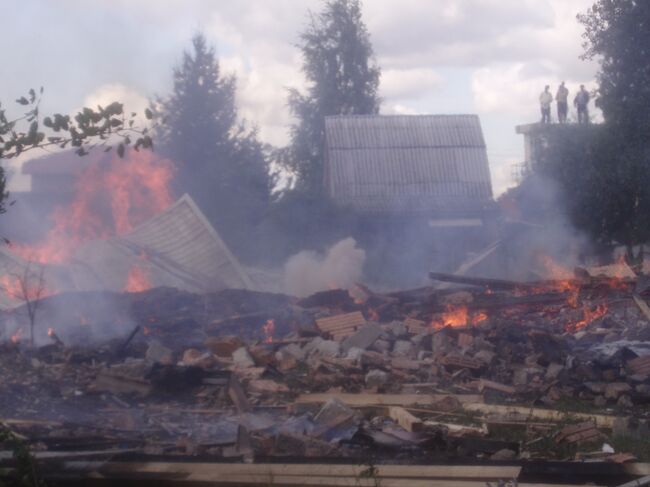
[[603, 190], [606, 172], [343, 79], [220, 162], [617, 34], [101, 128]]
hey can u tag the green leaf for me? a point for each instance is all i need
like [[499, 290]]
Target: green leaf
[[22, 100], [120, 150], [32, 95], [148, 113]]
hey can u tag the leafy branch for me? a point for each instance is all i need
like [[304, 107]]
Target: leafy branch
[[25, 473], [90, 128]]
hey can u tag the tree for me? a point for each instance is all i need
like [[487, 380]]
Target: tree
[[343, 79], [617, 33], [88, 129], [220, 163]]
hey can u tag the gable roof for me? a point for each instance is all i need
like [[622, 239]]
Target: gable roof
[[407, 163]]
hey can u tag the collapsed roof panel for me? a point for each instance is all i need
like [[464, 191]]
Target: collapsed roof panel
[[176, 248]]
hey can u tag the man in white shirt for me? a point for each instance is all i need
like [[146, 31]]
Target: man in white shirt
[[545, 100], [561, 97]]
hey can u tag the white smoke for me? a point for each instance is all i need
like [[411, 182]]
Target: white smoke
[[308, 272]]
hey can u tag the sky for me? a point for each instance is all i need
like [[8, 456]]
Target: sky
[[489, 57]]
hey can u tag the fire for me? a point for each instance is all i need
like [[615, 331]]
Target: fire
[[137, 280], [553, 269], [373, 315], [268, 328], [11, 287], [18, 334], [458, 316], [130, 190], [563, 280], [16, 288], [50, 332], [589, 315], [478, 318]]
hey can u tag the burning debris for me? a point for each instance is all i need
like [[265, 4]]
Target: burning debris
[[481, 372]]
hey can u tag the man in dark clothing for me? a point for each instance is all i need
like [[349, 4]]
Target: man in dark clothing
[[581, 102], [562, 97]]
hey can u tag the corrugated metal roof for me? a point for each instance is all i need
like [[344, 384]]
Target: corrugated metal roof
[[182, 237], [423, 163]]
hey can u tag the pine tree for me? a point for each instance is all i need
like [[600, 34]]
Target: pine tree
[[220, 163], [343, 79]]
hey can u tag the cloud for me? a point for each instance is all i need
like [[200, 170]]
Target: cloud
[[108, 93], [508, 49], [404, 84]]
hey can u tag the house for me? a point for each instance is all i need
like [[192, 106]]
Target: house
[[419, 186], [433, 165], [56, 174]]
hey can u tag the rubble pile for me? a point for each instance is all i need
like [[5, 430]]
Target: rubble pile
[[492, 370]]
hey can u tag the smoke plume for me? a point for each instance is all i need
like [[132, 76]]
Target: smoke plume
[[339, 268]]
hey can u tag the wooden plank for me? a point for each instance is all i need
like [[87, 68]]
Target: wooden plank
[[299, 471], [496, 283], [601, 420], [405, 419], [495, 386], [345, 321], [643, 306], [460, 429], [577, 432], [238, 396], [642, 482], [637, 468], [460, 361], [384, 399], [640, 365], [416, 327]]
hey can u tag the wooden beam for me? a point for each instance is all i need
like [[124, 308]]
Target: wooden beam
[[384, 399], [316, 470], [405, 419], [643, 306], [601, 420]]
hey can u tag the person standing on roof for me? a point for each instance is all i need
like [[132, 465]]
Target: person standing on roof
[[581, 102], [545, 100], [561, 97]]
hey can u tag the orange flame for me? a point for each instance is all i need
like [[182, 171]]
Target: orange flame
[[18, 334], [268, 328], [137, 280], [12, 287], [132, 189], [50, 332], [373, 315], [589, 315], [458, 317]]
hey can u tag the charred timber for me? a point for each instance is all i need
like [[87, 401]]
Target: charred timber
[[504, 284]]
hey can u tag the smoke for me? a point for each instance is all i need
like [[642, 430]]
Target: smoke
[[339, 268]]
